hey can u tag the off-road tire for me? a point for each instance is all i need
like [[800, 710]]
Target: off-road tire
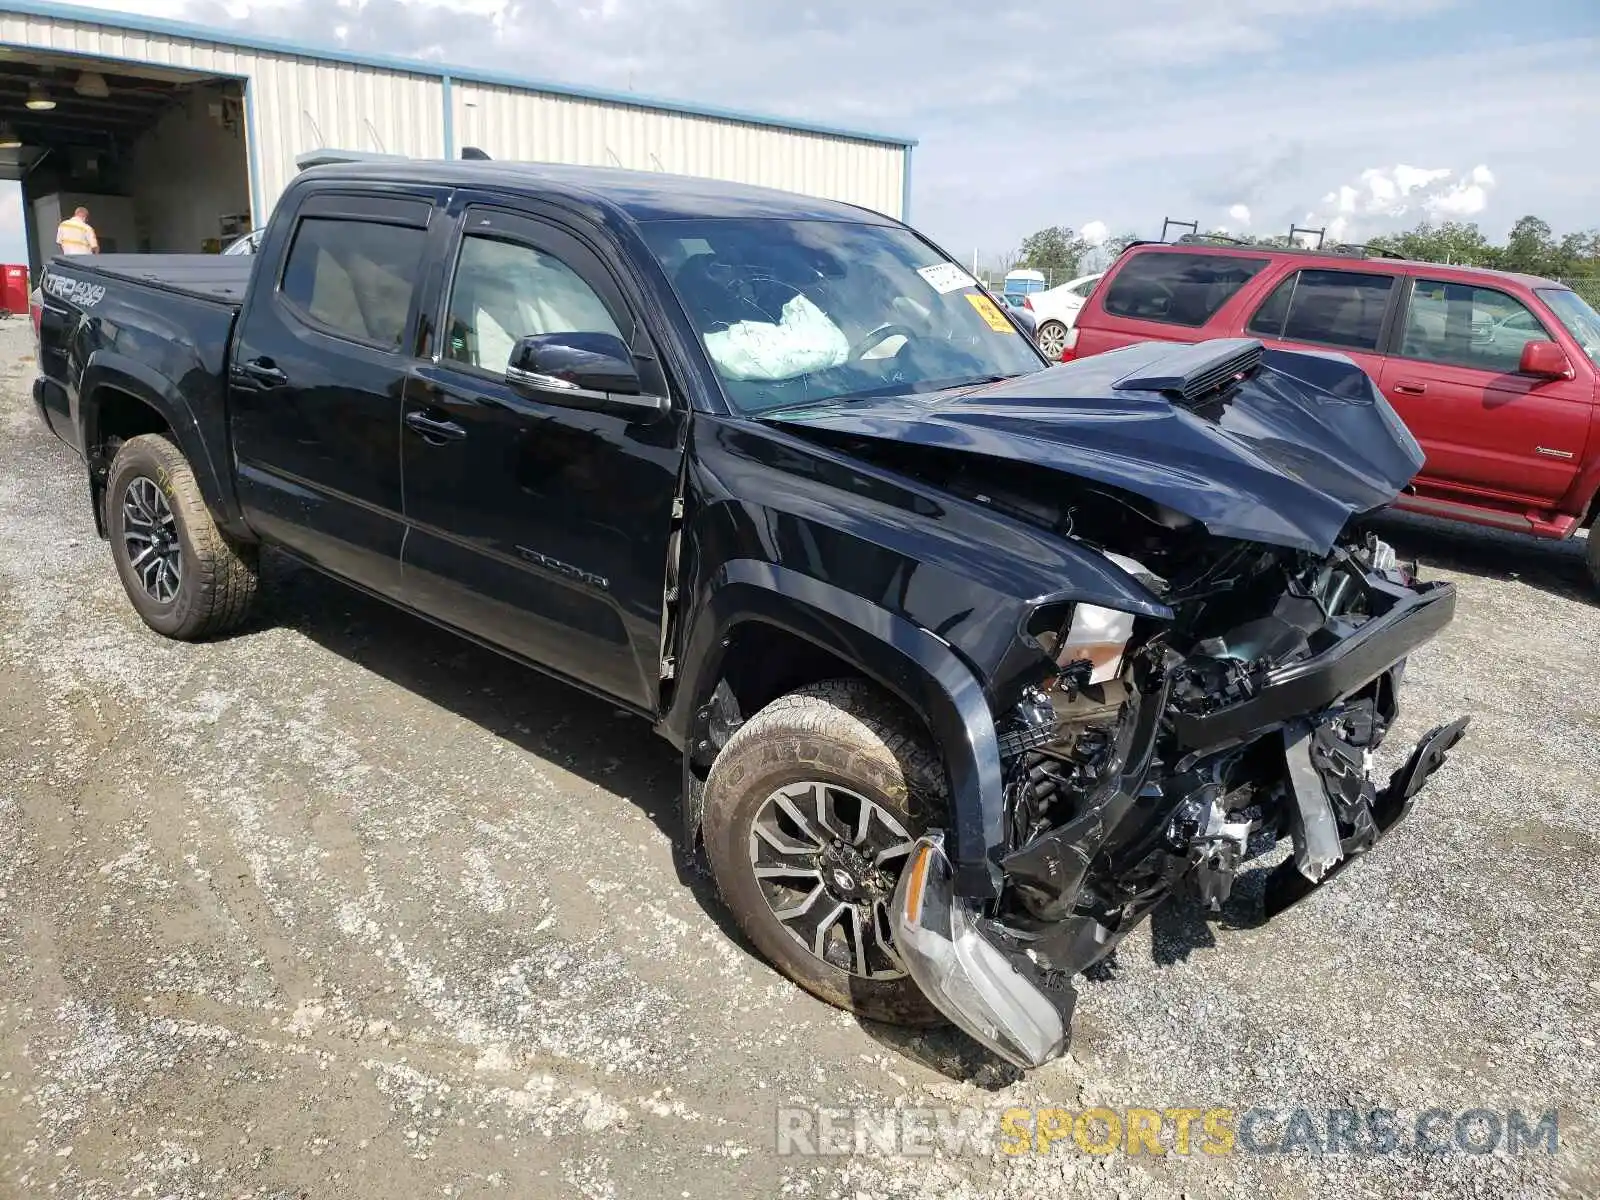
[[219, 577], [1591, 556], [845, 732]]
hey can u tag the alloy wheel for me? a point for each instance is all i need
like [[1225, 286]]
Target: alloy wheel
[[150, 536], [827, 860]]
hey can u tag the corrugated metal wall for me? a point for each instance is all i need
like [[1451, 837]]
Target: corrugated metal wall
[[298, 104], [304, 103], [541, 127]]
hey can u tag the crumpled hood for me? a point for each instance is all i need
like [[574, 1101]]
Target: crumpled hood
[[1297, 448]]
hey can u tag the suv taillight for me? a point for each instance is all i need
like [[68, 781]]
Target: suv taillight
[[1069, 346]]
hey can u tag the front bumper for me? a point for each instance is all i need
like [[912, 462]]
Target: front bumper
[[1021, 1008], [1414, 615]]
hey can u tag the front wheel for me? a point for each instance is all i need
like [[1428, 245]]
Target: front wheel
[[185, 577], [1591, 555], [1052, 340], [811, 812]]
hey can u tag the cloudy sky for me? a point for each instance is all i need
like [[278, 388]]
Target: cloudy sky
[[1367, 114]]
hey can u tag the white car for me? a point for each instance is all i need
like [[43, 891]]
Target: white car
[[1057, 309]]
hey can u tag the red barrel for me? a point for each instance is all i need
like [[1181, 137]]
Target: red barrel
[[14, 289]]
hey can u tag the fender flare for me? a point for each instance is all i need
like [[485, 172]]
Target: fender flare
[[107, 369], [916, 666]]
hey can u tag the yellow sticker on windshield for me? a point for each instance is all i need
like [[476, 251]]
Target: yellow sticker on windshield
[[987, 310]]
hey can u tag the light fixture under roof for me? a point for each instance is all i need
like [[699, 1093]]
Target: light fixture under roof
[[93, 85], [8, 137], [38, 98]]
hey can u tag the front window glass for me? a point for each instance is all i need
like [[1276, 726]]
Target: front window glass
[[1573, 311], [1459, 325], [797, 312], [506, 290]]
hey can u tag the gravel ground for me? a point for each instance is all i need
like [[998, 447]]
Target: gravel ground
[[343, 906]]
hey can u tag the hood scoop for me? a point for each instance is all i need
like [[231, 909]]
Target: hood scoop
[[1190, 374]]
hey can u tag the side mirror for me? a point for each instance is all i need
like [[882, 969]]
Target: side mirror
[[1547, 360], [593, 371]]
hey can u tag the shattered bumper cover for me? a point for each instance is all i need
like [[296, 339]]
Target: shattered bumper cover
[[1021, 1008], [1320, 853]]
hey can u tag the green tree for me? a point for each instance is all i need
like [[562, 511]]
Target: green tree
[[1532, 248], [1462, 244], [1057, 251]]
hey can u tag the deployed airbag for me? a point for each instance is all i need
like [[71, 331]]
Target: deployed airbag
[[804, 340]]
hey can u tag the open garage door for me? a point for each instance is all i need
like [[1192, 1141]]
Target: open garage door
[[157, 155]]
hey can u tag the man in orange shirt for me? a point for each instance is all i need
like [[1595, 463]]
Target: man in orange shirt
[[76, 236]]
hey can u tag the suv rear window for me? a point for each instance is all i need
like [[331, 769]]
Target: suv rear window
[[1178, 289], [1334, 308]]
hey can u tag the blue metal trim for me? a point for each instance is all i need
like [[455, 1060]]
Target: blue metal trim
[[449, 119], [252, 144], [905, 186], [51, 10]]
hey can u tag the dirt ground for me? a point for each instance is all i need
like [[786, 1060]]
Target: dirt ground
[[342, 906]]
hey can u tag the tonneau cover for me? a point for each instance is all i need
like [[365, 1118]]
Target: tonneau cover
[[220, 277]]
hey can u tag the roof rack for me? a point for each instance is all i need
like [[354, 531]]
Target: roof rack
[[1191, 239]]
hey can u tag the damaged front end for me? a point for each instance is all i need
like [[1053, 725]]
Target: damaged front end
[[1149, 758]]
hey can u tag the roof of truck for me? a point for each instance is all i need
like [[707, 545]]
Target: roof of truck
[[635, 195]]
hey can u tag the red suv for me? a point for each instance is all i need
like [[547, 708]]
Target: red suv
[[1495, 374]]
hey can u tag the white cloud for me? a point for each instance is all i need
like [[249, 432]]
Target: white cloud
[[1241, 214], [1180, 109], [1095, 233], [1383, 197]]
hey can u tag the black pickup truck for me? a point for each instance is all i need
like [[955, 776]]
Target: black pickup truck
[[973, 660]]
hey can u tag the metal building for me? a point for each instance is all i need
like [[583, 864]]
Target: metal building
[[180, 137]]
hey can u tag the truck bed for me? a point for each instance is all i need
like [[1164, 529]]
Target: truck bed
[[217, 277]]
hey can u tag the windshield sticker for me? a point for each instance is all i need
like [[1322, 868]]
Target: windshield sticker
[[990, 313], [946, 277]]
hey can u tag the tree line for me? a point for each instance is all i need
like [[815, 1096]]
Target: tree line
[[1532, 247]]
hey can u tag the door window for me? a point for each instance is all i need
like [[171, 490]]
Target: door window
[[1459, 325], [354, 278], [507, 290], [1331, 308], [1178, 289]]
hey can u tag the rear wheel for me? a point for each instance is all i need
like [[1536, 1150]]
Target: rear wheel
[[1591, 555], [185, 577], [1052, 340], [811, 812]]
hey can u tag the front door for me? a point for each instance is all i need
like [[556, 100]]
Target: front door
[[1486, 429], [541, 528], [316, 379]]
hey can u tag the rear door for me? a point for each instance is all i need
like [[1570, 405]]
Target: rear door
[[1487, 430], [1330, 309], [1162, 295], [540, 527], [316, 378]]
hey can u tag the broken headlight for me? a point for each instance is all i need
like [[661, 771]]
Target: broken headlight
[[967, 979]]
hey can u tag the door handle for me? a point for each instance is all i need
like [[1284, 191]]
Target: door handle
[[1407, 388], [432, 429], [264, 371]]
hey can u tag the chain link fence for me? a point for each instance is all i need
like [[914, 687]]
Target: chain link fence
[[1587, 286]]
